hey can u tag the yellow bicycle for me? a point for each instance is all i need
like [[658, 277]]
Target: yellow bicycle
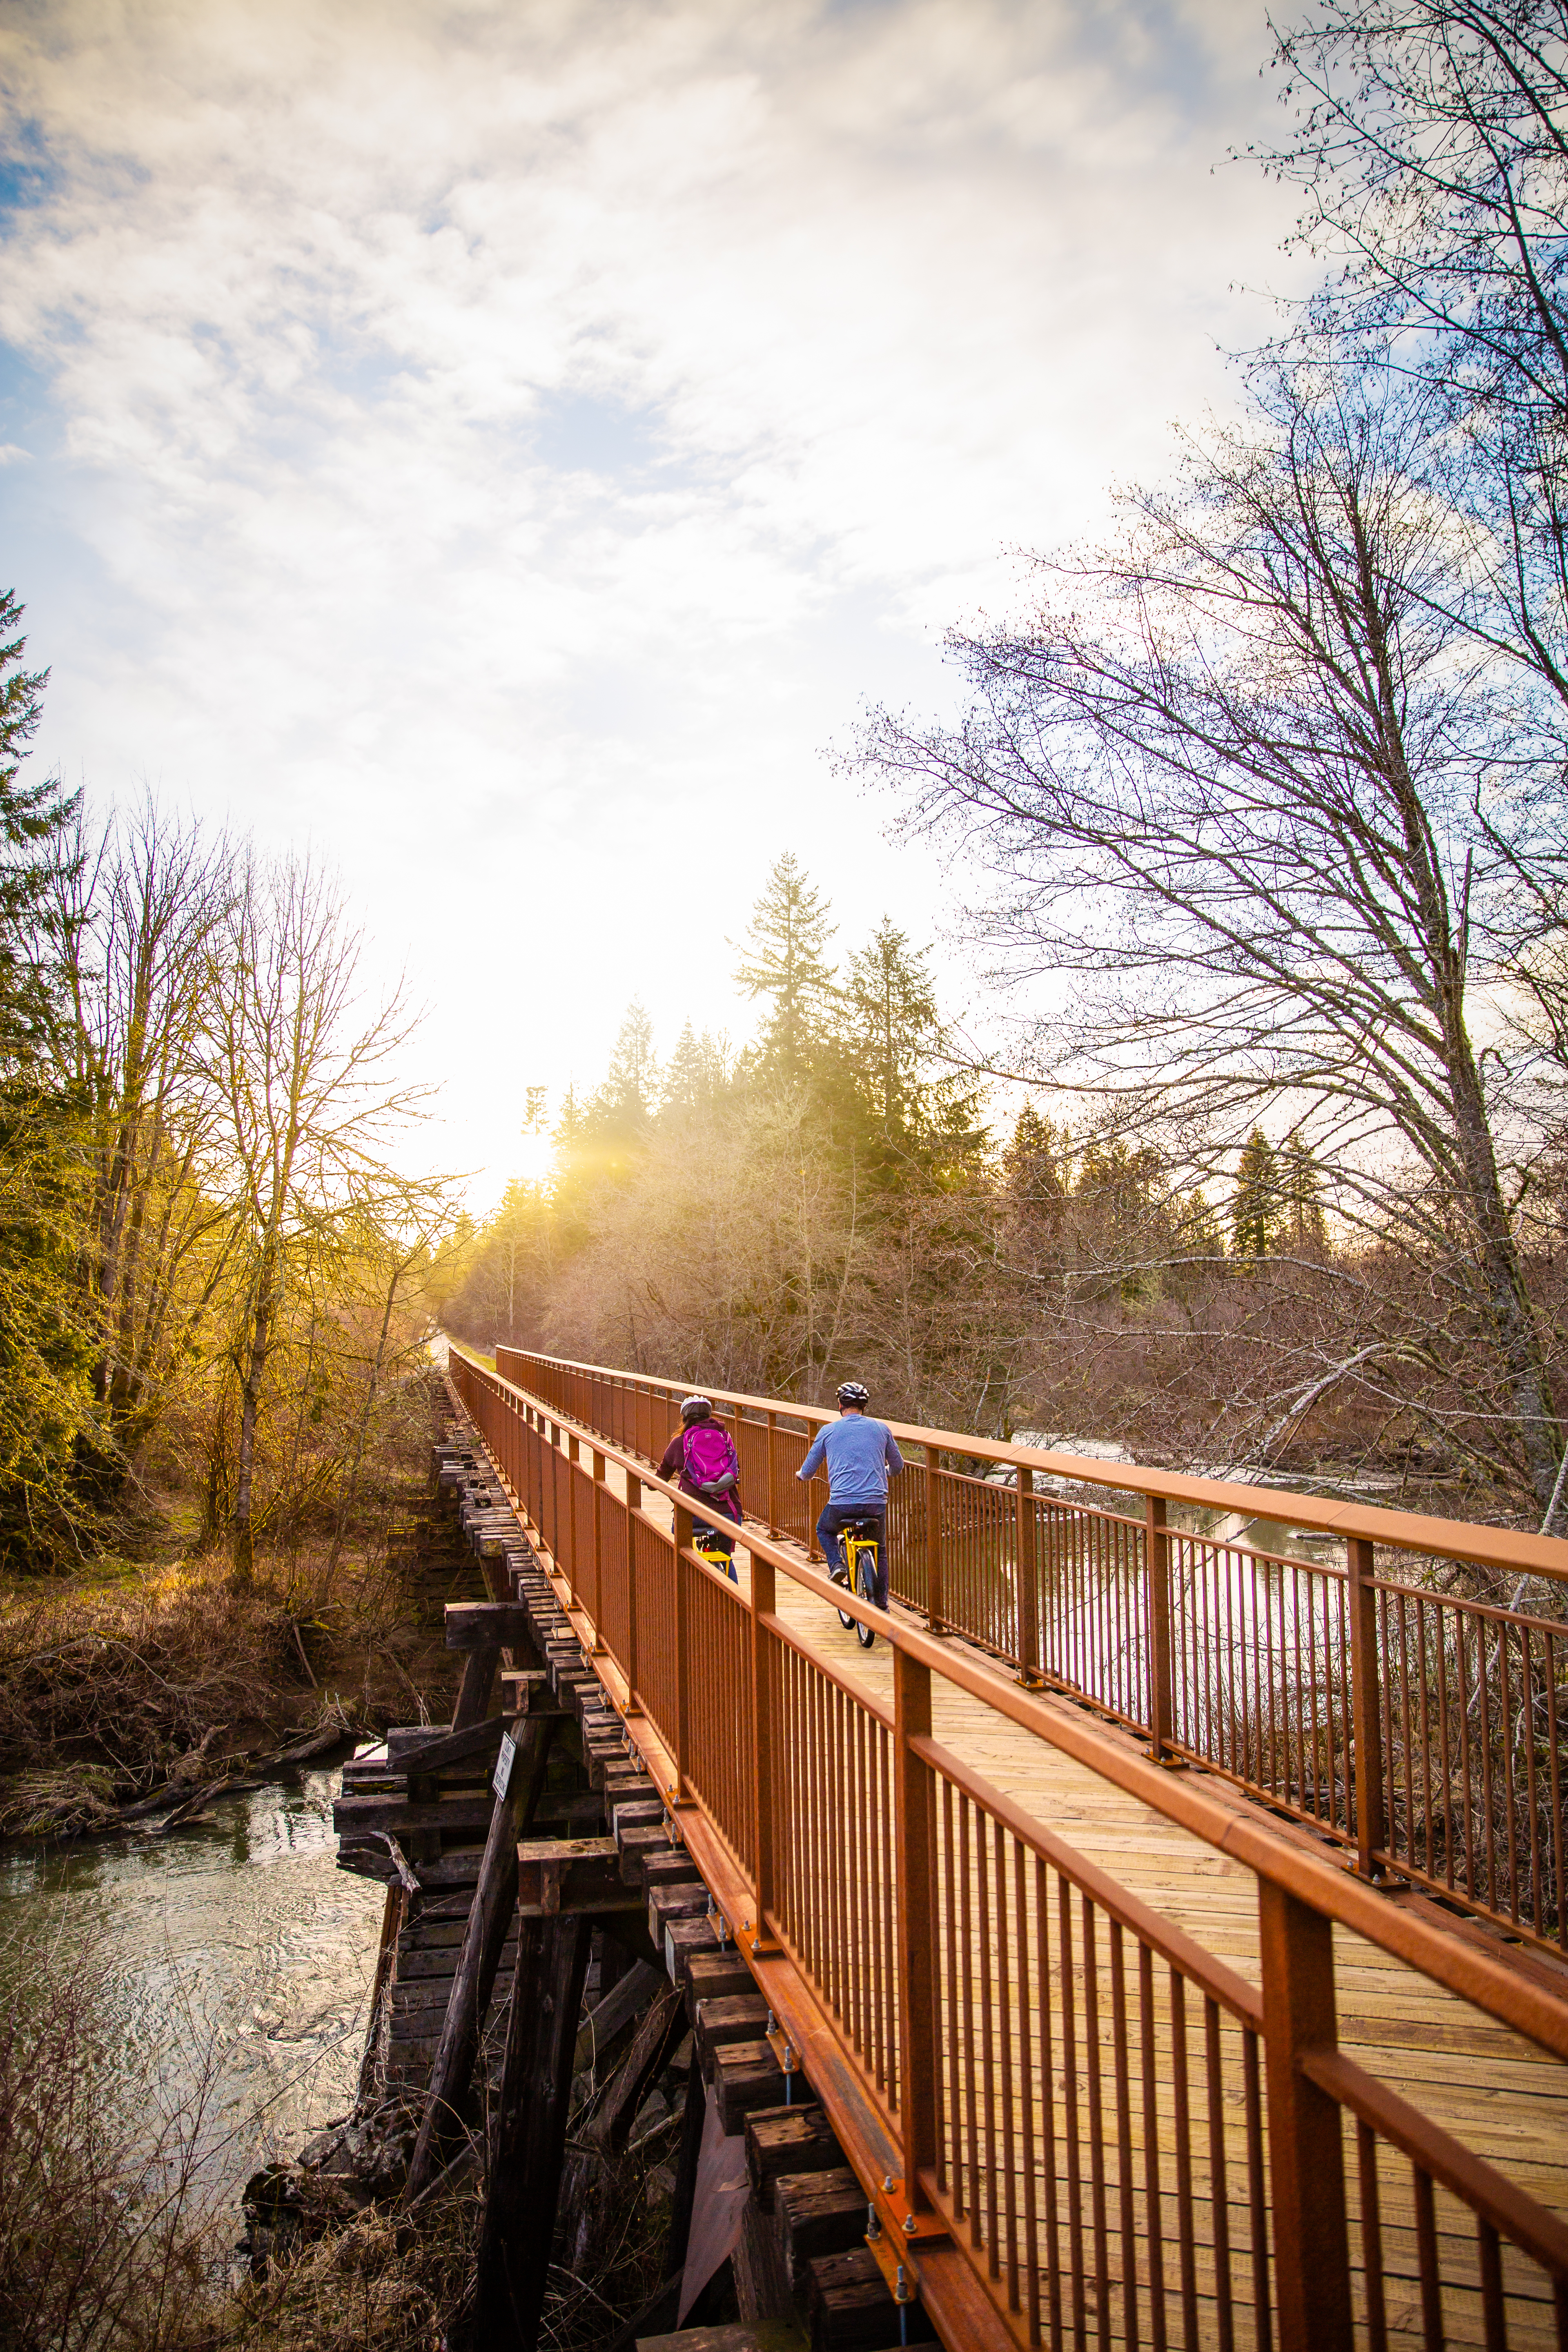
[[706, 1544], [857, 1542]]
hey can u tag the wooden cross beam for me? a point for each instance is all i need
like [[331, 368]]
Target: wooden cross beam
[[571, 1875]]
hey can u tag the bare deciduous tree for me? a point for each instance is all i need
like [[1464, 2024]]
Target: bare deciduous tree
[[1247, 778], [139, 907], [312, 1098]]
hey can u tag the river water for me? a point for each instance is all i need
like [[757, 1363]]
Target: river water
[[235, 1962]]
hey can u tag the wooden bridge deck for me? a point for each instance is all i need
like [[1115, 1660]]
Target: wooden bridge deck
[[1493, 2090]]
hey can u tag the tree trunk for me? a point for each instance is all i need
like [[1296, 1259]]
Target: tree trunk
[[250, 1397], [1512, 1316]]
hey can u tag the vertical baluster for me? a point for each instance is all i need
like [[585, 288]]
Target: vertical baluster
[[1126, 2219], [1537, 1908], [1366, 1705], [1071, 2128], [763, 1603], [1157, 1587], [935, 1600], [1426, 2262], [634, 1662], [598, 1468], [1554, 1782], [919, 2031], [1092, 2067], [1027, 1581], [1371, 2238], [1154, 2218], [772, 1499], [1219, 2186]]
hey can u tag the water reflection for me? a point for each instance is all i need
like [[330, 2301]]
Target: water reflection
[[233, 1949]]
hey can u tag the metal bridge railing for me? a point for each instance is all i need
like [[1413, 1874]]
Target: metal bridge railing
[[1425, 1730], [1098, 2130]]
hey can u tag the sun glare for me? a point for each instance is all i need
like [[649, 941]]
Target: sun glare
[[534, 1158]]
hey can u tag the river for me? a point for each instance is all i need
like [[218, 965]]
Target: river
[[234, 1960]]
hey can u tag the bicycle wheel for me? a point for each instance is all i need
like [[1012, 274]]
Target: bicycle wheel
[[841, 1576], [866, 1563]]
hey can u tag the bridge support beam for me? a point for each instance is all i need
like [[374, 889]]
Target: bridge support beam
[[528, 2136]]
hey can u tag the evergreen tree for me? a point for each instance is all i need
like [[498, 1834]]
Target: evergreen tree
[[1254, 1205], [625, 1102], [44, 1350], [34, 821], [1301, 1197], [698, 1071], [1035, 1167], [892, 1011], [783, 962]]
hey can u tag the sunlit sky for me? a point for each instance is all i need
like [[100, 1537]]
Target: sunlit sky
[[503, 444]]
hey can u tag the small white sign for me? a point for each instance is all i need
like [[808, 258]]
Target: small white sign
[[500, 1779]]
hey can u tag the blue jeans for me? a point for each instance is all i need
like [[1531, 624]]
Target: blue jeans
[[840, 1515]]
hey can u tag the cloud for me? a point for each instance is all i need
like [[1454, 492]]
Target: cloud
[[506, 439]]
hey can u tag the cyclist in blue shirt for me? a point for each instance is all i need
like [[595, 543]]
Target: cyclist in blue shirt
[[861, 1456]]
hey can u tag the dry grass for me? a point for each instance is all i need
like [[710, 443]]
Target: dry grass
[[375, 2285]]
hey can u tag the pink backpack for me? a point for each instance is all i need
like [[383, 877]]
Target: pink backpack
[[708, 1454]]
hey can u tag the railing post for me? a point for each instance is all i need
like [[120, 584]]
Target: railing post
[[599, 1468], [1366, 1706], [1027, 1575], [763, 1603], [1306, 2150], [572, 1457], [634, 1504], [773, 1474], [682, 1650], [935, 1597], [1157, 1569], [913, 1838]]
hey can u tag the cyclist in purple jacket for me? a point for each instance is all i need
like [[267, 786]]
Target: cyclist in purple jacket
[[861, 1456], [700, 1459]]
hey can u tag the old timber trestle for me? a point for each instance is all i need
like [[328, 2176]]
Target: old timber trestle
[[1152, 1940]]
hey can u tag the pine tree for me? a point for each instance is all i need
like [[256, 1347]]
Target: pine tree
[[1254, 1205], [783, 962], [1034, 1166], [698, 1073], [45, 1347], [34, 823], [892, 1009], [626, 1101], [1301, 1197]]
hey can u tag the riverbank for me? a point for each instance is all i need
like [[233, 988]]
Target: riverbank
[[140, 1684]]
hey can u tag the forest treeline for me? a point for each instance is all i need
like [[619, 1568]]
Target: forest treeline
[[211, 1269], [849, 1193], [1270, 786]]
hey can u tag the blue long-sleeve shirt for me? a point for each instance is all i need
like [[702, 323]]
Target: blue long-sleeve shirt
[[860, 1454]]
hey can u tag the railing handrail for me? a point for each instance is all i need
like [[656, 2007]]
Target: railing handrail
[[1510, 1997], [1409, 1531], [882, 1884]]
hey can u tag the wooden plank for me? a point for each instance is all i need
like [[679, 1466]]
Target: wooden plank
[[486, 1624], [850, 2305], [816, 2213], [572, 1875], [526, 1691], [431, 1748], [614, 2013], [352, 1815]]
